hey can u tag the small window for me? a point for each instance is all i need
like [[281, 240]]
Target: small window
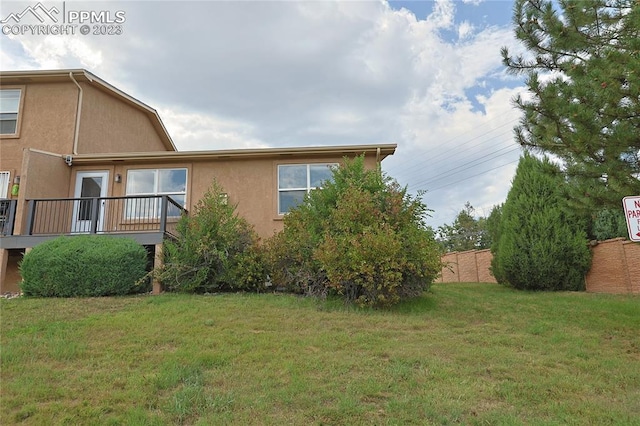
[[4, 184], [9, 106], [171, 182], [296, 180]]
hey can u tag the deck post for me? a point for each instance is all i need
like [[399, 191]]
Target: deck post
[[157, 263], [4, 258], [164, 205], [95, 215], [31, 214]]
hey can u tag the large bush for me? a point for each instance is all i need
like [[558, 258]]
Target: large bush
[[84, 265], [216, 250], [542, 244], [361, 236]]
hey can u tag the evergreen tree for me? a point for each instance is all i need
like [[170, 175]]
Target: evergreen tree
[[583, 106], [465, 233], [541, 246], [493, 224], [609, 223]]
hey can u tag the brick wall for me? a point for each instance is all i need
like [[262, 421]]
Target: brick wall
[[449, 272], [484, 258], [615, 267], [467, 266]]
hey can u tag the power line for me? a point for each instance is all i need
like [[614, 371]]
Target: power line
[[471, 177], [454, 151], [471, 140], [467, 165], [450, 152]]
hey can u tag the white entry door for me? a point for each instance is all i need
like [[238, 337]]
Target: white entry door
[[92, 185]]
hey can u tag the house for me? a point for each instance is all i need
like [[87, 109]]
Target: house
[[78, 155]]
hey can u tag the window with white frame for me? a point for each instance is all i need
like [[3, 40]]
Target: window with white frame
[[296, 180], [4, 184], [9, 106], [143, 182]]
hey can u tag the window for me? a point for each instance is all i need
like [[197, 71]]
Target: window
[[171, 182], [295, 180], [4, 184], [9, 106]]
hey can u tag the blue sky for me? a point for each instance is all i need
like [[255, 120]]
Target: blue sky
[[489, 12], [426, 75]]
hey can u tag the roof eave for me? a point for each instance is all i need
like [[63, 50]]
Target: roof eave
[[381, 151]]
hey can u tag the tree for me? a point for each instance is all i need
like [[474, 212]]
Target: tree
[[215, 250], [493, 224], [361, 237], [583, 105], [465, 233], [541, 245], [609, 223]]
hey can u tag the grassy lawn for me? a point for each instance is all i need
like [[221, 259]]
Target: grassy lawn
[[464, 353]]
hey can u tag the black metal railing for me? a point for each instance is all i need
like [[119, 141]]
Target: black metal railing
[[57, 216], [7, 216]]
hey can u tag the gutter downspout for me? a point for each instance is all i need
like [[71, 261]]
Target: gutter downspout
[[78, 115]]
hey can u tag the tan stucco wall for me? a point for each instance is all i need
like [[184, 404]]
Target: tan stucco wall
[[251, 184], [46, 122], [43, 176], [46, 176], [110, 125]]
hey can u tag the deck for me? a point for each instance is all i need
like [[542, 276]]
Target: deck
[[147, 219]]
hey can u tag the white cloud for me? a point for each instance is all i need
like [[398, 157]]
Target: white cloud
[[443, 14], [253, 74], [51, 52], [192, 131], [458, 155], [11, 61], [465, 30]]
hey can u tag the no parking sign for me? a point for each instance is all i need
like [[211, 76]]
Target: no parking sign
[[632, 213]]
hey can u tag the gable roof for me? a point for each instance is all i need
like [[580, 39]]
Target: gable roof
[[81, 75]]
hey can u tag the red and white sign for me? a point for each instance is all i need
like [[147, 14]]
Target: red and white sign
[[632, 213]]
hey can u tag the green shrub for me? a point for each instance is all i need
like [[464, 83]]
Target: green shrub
[[610, 223], [84, 265], [216, 250], [361, 236], [541, 245]]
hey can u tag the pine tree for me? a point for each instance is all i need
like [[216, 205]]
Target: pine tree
[[541, 246], [583, 106]]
